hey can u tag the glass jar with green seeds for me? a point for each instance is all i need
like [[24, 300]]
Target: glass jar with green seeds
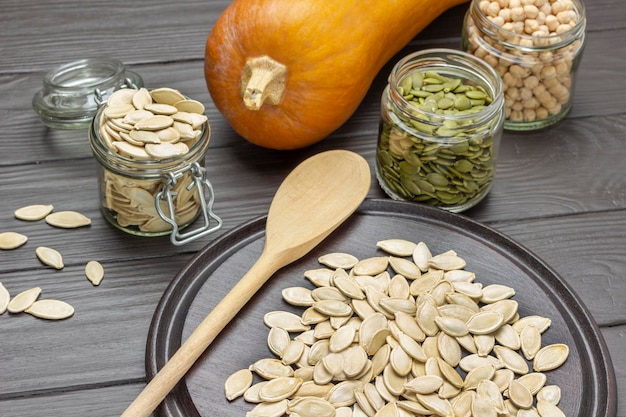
[[442, 116]]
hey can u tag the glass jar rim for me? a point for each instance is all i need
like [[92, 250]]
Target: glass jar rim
[[72, 92], [547, 42], [448, 59]]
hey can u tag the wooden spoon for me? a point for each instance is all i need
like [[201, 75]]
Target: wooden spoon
[[314, 199]]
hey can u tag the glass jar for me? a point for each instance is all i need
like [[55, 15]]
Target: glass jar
[[72, 92], [442, 114], [536, 47], [148, 197]]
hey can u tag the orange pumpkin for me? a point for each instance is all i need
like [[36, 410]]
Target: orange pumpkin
[[287, 73]]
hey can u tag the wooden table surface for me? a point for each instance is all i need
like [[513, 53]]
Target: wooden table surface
[[560, 192]]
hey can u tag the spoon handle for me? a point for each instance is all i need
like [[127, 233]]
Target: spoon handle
[[198, 341]]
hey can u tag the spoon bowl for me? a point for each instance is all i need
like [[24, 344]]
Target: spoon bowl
[[313, 200]]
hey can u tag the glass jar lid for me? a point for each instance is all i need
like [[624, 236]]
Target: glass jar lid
[[72, 92]]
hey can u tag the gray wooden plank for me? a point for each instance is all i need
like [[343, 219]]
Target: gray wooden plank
[[111, 401]]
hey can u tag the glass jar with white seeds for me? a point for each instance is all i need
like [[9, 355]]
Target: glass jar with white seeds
[[151, 148]]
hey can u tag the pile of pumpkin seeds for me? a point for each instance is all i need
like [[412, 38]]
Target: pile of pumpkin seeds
[[149, 126], [430, 149], [398, 335], [28, 300]]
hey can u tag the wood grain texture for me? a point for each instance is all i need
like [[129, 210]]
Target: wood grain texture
[[560, 192]]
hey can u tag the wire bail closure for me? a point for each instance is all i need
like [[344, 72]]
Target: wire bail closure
[[200, 182]]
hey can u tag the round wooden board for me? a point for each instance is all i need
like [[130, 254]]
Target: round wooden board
[[587, 379]]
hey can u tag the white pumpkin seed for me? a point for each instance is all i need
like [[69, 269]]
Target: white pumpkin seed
[[477, 375], [371, 266], [550, 357], [292, 352], [269, 368], [252, 394], [447, 262], [237, 384], [94, 272], [33, 212], [355, 361], [449, 373], [50, 309], [12, 240], [311, 407], [285, 320], [342, 338], [190, 106], [435, 404], [484, 343], [393, 381], [348, 287], [404, 267], [550, 393], [534, 381], [363, 403], [452, 326], [141, 98], [397, 247], [267, 409], [496, 292], [541, 323], [546, 409], [50, 257], [333, 308], [342, 394], [319, 277], [400, 361], [279, 389], [121, 96], [298, 296], [426, 384], [421, 256], [23, 300], [530, 341], [310, 389], [338, 260], [5, 297], [485, 322], [511, 359]]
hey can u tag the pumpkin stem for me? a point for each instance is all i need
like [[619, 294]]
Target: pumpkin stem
[[263, 80]]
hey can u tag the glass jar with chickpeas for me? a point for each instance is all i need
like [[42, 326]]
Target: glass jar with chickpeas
[[536, 47]]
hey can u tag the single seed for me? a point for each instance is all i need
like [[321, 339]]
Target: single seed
[[12, 240], [67, 219], [50, 257], [50, 309], [34, 212], [94, 272]]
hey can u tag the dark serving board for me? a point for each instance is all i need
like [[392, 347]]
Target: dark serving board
[[587, 379]]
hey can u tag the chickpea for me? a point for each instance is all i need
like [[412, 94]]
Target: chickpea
[[529, 115], [505, 14], [493, 9], [517, 14], [531, 82], [530, 26], [531, 11], [541, 113], [516, 116]]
